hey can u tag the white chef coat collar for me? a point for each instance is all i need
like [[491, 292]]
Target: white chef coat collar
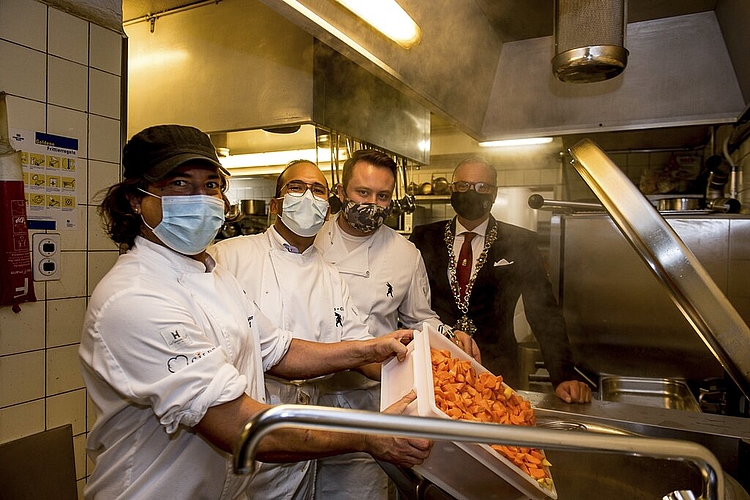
[[481, 229], [173, 259], [279, 243]]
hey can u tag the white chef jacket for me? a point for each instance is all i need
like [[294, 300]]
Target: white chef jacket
[[388, 282], [165, 337], [301, 294], [386, 277]]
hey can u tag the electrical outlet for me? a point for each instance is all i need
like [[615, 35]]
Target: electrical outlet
[[45, 256]]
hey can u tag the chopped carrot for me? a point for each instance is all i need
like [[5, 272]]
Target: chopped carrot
[[463, 394]]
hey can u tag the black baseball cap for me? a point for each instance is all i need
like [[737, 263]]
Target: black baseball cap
[[154, 152]]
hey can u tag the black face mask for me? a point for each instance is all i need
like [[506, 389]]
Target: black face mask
[[471, 205]]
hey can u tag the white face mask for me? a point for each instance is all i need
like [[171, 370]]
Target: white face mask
[[188, 223], [303, 215]]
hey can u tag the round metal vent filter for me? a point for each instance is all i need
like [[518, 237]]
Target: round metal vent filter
[[589, 40]]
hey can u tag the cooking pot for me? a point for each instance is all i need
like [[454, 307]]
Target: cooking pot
[[440, 185], [680, 203], [425, 188], [253, 207]]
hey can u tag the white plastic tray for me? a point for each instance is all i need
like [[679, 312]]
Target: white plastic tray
[[466, 471]]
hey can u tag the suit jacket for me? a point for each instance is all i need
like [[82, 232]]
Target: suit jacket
[[514, 268]]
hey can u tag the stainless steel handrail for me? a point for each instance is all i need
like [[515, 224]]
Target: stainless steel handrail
[[691, 288], [365, 422]]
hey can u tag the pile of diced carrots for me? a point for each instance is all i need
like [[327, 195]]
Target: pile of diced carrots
[[461, 393]]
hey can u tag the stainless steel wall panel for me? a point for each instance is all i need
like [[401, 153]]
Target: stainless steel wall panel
[[621, 319]]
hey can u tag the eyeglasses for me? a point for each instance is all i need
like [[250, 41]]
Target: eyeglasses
[[479, 187], [298, 188]]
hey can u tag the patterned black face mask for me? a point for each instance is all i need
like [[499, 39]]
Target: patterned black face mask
[[365, 217]]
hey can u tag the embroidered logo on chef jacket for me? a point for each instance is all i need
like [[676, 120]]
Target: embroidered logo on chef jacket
[[181, 361], [177, 363], [338, 312], [389, 292], [176, 339]]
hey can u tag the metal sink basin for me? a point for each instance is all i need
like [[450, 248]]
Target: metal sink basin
[[583, 475]]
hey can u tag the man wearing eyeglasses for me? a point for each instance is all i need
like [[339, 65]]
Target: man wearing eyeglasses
[[478, 268], [298, 291]]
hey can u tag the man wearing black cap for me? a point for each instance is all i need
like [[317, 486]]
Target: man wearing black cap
[[167, 351]]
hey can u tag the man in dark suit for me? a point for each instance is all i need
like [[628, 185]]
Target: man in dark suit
[[476, 280]]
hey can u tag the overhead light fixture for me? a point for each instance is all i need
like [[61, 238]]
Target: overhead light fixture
[[532, 141], [389, 18], [278, 158]]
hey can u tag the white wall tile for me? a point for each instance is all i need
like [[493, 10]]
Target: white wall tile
[[101, 176], [24, 71], [25, 114], [69, 123], [514, 178], [90, 413], [63, 370], [79, 452], [104, 94], [67, 408], [68, 36], [502, 178], [531, 177], [104, 139], [549, 177], [21, 377], [64, 321], [105, 50], [23, 331], [82, 179], [68, 83], [24, 22], [99, 264], [72, 282], [40, 290], [98, 239], [21, 420], [75, 239]]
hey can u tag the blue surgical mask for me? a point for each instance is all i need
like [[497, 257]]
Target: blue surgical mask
[[188, 223], [303, 215]]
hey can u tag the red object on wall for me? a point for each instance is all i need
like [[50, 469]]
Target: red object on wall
[[16, 277]]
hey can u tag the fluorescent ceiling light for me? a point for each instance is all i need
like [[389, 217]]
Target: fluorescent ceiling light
[[275, 158], [389, 18], [516, 142]]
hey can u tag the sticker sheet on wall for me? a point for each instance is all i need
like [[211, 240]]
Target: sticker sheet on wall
[[50, 175]]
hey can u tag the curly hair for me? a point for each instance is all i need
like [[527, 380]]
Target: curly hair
[[120, 221]]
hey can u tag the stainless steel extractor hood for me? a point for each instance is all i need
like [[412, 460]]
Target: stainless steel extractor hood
[[237, 65]]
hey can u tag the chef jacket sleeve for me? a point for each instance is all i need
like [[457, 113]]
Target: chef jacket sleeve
[[274, 341], [150, 350], [415, 309]]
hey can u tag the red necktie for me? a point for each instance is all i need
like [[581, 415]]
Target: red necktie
[[465, 262]]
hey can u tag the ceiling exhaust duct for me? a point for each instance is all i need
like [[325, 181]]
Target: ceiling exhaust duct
[[589, 40]]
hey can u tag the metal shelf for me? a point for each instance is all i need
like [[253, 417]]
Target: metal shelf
[[432, 197]]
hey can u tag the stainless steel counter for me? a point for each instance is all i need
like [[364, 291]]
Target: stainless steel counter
[[727, 437]]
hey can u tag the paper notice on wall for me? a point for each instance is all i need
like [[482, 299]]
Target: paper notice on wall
[[50, 178]]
